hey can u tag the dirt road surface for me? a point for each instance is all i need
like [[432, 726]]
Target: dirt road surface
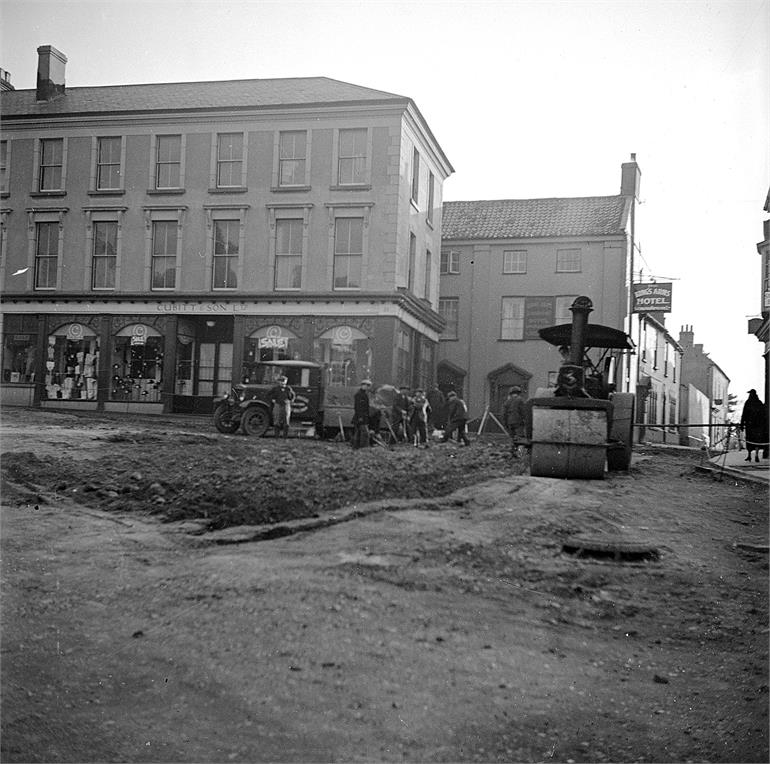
[[437, 624]]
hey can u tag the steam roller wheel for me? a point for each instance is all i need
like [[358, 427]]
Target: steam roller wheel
[[622, 429]]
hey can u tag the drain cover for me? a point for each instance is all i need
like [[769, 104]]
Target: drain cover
[[608, 547]]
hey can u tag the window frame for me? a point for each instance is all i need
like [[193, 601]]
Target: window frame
[[509, 264], [350, 256], [340, 157], [291, 256], [335, 212], [415, 187], [225, 257], [449, 264], [170, 225], [565, 316], [219, 162], [158, 164], [115, 162], [428, 273], [562, 260], [5, 166], [507, 323], [412, 262], [443, 304], [95, 257], [303, 160], [38, 257], [40, 166], [431, 197]]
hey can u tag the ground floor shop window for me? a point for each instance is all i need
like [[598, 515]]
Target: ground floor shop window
[[19, 357], [72, 361], [271, 343], [137, 365], [345, 354]]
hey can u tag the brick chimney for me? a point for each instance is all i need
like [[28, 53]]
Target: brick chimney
[[50, 73], [5, 81], [630, 175], [686, 336]]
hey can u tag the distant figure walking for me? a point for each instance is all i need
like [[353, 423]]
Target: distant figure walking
[[457, 419], [514, 418], [361, 415], [754, 424], [281, 397]]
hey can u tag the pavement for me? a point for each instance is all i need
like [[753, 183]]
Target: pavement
[[734, 463]]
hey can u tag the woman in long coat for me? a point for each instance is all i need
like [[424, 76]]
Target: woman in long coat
[[754, 424]]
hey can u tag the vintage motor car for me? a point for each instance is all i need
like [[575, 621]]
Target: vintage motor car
[[247, 406]]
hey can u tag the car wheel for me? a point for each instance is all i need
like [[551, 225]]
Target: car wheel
[[256, 421], [223, 420]]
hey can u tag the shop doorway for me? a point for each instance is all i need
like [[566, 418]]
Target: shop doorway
[[204, 364]]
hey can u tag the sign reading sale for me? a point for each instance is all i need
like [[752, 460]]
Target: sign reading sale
[[648, 298]]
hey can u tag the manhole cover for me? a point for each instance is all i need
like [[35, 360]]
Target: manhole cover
[[609, 548]]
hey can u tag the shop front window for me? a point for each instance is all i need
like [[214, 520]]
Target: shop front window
[[346, 356], [19, 357], [270, 343], [137, 365], [72, 362]]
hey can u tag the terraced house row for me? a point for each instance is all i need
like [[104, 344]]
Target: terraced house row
[[157, 240]]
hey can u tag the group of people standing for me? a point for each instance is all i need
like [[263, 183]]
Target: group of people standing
[[411, 417]]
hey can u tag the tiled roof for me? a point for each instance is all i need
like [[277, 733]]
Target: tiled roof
[[192, 95], [534, 218]]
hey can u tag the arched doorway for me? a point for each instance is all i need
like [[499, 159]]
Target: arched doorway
[[502, 380]]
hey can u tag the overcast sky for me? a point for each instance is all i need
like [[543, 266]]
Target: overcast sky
[[527, 99]]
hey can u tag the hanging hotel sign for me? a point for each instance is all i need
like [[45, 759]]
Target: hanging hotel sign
[[651, 298]]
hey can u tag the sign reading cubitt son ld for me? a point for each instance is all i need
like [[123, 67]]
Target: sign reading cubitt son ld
[[649, 298]]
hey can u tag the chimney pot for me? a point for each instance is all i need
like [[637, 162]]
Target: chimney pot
[[50, 73]]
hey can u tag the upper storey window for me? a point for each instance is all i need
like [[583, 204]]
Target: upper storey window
[[46, 255], [415, 176], [168, 161], [292, 158], [568, 261], [431, 197], [348, 252], [4, 161], [108, 163], [229, 160], [352, 157], [450, 261], [51, 170]]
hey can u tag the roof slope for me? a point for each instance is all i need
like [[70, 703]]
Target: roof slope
[[534, 218], [295, 91]]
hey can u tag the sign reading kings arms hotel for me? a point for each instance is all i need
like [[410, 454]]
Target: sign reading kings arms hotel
[[651, 298]]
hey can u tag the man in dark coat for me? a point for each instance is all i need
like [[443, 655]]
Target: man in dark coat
[[514, 417], [437, 403], [754, 424], [457, 419], [361, 415]]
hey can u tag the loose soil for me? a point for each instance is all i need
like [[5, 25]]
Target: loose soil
[[437, 618]]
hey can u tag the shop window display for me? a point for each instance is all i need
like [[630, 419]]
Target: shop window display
[[273, 343], [137, 366], [345, 354], [19, 357], [72, 362]]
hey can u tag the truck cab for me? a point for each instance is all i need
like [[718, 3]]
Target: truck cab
[[247, 406]]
